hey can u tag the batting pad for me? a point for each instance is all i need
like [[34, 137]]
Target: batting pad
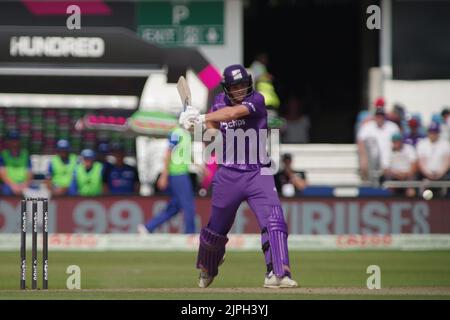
[[211, 251], [278, 234]]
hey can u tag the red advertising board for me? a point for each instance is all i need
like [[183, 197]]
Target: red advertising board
[[304, 216]]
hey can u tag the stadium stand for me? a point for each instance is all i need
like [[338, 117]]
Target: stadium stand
[[326, 164]]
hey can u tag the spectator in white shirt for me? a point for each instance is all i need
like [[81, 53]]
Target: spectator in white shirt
[[402, 164], [377, 134], [434, 155]]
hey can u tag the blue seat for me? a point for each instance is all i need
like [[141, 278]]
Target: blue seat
[[373, 192], [318, 191]]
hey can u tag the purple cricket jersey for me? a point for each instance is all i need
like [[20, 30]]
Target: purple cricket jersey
[[256, 120]]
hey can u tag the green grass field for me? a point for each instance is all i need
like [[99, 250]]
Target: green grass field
[[172, 275]]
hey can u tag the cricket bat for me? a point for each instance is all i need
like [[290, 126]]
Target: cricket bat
[[184, 91]]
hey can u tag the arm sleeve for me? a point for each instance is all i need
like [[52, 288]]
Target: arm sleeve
[[216, 106], [1, 162], [256, 106], [29, 163]]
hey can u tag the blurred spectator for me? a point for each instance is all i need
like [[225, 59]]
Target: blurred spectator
[[258, 68], [378, 104], [298, 124], [374, 143], [397, 116], [88, 179], [414, 133], [102, 154], [61, 169], [264, 81], [120, 177], [15, 166], [287, 181], [402, 164], [434, 155], [445, 126]]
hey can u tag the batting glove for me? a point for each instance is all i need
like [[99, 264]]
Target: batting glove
[[189, 117]]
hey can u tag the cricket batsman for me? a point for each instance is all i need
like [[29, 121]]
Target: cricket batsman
[[239, 106]]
